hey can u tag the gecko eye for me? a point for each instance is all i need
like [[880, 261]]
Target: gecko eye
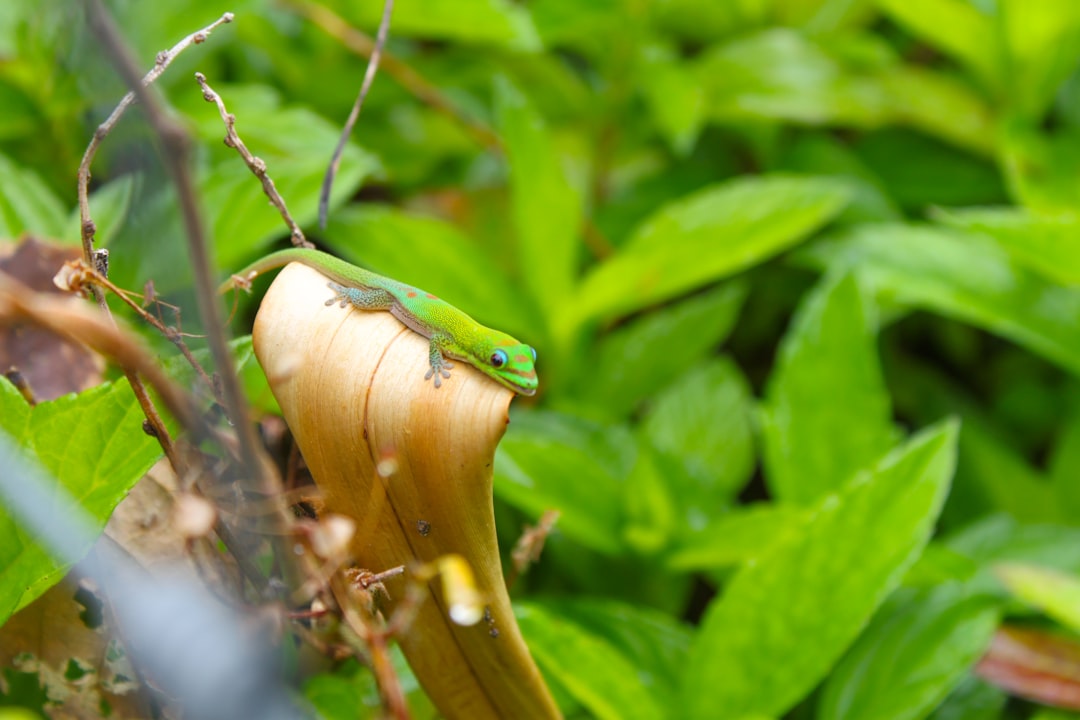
[[498, 359], [533, 351]]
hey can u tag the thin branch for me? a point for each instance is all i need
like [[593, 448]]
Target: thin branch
[[369, 77], [256, 165], [162, 61], [408, 78], [87, 228]]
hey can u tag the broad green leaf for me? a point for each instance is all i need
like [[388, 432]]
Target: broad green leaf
[[780, 74], [1055, 593], [824, 17], [706, 20], [918, 648], [745, 533], [701, 425], [957, 28], [827, 412], [965, 277], [711, 234], [589, 666], [547, 460], [642, 356], [27, 205], [489, 22], [1042, 41], [94, 445], [673, 95], [1047, 244], [943, 106], [654, 642], [547, 210], [787, 617], [432, 254]]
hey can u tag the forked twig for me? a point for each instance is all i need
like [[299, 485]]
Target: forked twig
[[256, 165], [369, 77]]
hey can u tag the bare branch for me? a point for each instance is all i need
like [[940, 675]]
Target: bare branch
[[369, 77], [256, 165]]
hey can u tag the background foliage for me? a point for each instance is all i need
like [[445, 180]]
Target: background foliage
[[802, 276]]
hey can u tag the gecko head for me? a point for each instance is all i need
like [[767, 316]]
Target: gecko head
[[510, 363]]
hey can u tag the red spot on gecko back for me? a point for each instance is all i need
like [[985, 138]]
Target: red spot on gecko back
[[411, 294], [429, 296]]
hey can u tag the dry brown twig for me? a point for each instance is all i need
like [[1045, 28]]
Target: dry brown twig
[[354, 113], [255, 164]]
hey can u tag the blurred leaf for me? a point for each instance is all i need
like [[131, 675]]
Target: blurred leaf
[[919, 171], [642, 356], [94, 445], [432, 254], [673, 95], [496, 22], [1041, 167], [713, 233], [1043, 45], [1049, 245], [109, 206], [757, 650], [919, 647], [547, 210], [824, 17], [745, 533], [972, 699], [27, 205], [942, 106], [965, 277], [827, 413], [781, 75], [1065, 469], [956, 27], [547, 460], [1053, 592], [589, 666], [654, 642], [701, 425], [706, 20]]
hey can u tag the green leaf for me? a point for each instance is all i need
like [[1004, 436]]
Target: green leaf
[[745, 533], [918, 648], [547, 460], [653, 642], [957, 28], [547, 210], [701, 425], [642, 356], [1055, 593], [1046, 244], [786, 618], [673, 95], [1039, 167], [965, 277], [591, 668], [391, 242], [1042, 41], [1065, 468], [94, 445], [827, 413], [973, 699], [27, 205], [711, 234], [943, 106], [489, 22], [780, 74]]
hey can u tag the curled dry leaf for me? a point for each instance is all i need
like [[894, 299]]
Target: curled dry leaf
[[351, 386]]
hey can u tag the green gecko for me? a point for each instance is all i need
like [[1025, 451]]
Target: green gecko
[[452, 333]]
